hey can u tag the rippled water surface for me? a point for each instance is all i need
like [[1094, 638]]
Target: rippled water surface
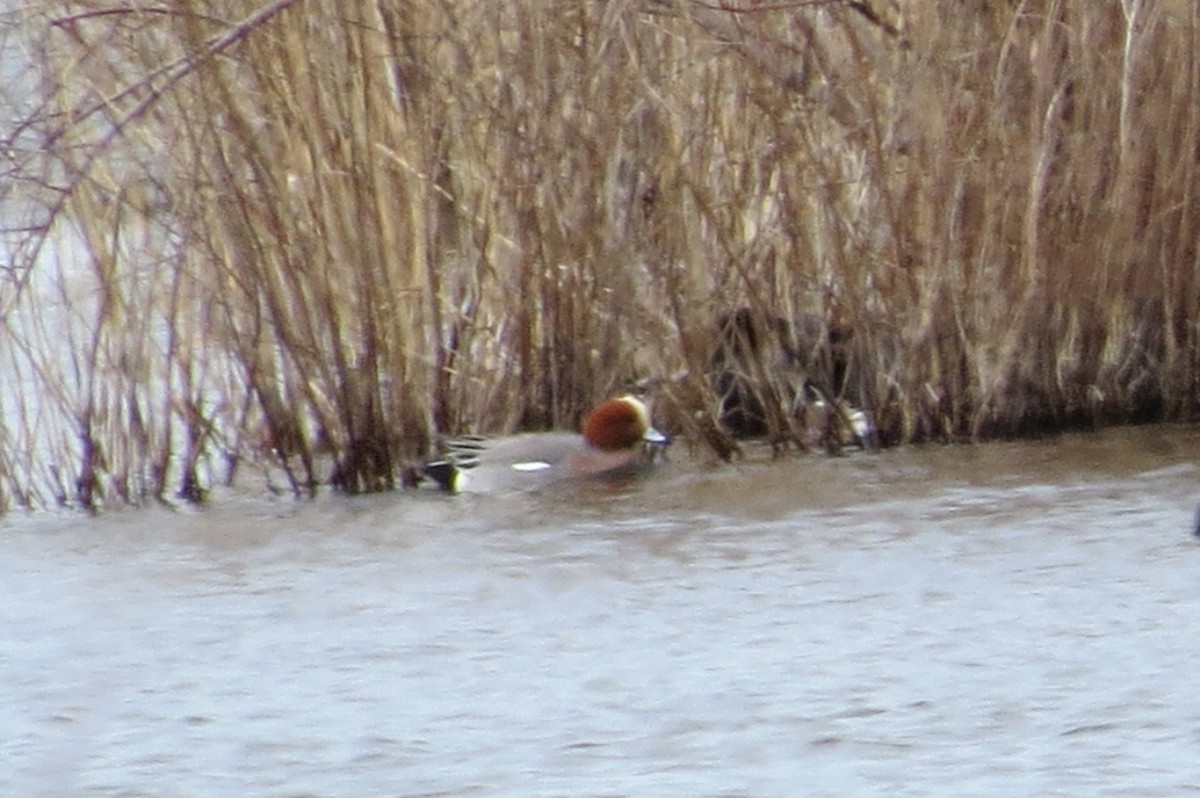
[[999, 619]]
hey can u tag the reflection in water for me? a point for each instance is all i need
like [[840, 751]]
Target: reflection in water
[[1011, 618]]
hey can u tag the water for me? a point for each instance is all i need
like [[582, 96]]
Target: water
[[1016, 619]]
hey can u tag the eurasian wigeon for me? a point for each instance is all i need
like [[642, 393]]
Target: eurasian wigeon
[[800, 365], [617, 441]]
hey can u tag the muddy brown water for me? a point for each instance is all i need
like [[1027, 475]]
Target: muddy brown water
[[1017, 619]]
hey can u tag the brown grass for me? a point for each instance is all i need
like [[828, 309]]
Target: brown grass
[[333, 230]]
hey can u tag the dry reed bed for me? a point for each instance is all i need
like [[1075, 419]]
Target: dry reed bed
[[340, 228]]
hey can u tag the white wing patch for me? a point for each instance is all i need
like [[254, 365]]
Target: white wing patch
[[532, 465]]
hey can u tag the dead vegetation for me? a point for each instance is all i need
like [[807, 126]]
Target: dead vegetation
[[327, 231]]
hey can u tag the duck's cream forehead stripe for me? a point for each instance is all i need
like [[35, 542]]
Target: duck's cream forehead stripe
[[638, 407]]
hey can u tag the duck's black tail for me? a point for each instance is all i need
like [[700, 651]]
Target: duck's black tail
[[460, 454], [444, 473]]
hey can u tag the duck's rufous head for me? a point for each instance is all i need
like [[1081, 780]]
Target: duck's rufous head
[[620, 424]]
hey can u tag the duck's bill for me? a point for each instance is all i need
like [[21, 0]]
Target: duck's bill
[[655, 437]]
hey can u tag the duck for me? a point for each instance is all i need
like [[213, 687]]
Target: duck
[[617, 441], [802, 364]]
